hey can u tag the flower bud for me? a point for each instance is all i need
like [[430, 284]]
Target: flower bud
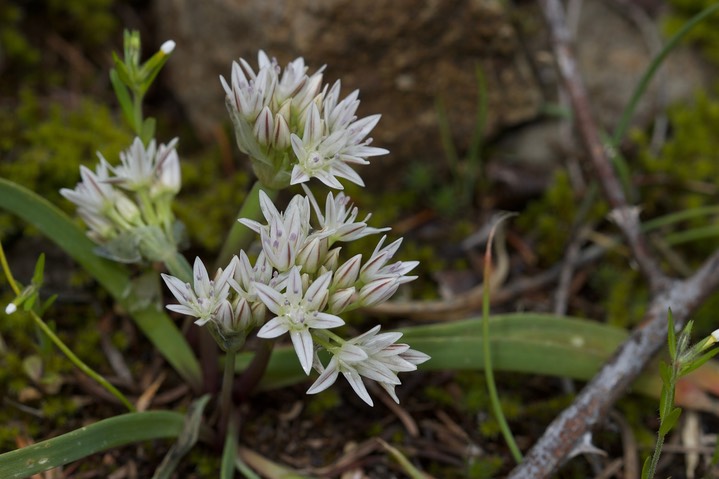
[[167, 47], [340, 300], [347, 274], [128, 209], [378, 291]]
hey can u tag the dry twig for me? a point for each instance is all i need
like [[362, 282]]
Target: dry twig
[[682, 296]]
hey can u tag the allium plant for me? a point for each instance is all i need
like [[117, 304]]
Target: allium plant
[[294, 129], [300, 285]]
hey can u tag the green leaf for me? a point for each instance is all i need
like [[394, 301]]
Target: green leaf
[[671, 337], [185, 440], [696, 363], [151, 320], [405, 463], [229, 452], [123, 98], [37, 276], [670, 421], [46, 305], [148, 130], [628, 113], [523, 342], [665, 373], [100, 436], [664, 399], [645, 468]]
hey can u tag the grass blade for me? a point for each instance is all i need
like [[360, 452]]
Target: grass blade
[[101, 436]]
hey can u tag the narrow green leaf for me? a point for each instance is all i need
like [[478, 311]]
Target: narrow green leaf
[[665, 373], [406, 465], [185, 440], [523, 342], [123, 98], [37, 276], [245, 469], [267, 468], [148, 130], [151, 320], [698, 362], [670, 421], [628, 113], [645, 468], [100, 436], [47, 304], [229, 452], [671, 337], [664, 399]]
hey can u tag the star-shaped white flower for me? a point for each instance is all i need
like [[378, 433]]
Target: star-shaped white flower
[[371, 355], [297, 313], [150, 167], [204, 299], [338, 220]]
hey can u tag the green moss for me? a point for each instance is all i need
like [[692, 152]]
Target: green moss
[[15, 46], [206, 463], [685, 173], [210, 199], [548, 219], [624, 291], [91, 22], [484, 467], [43, 146]]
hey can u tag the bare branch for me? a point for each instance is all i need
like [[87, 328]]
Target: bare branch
[[683, 297], [595, 400], [612, 187]]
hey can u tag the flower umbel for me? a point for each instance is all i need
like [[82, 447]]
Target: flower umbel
[[128, 207], [294, 129]]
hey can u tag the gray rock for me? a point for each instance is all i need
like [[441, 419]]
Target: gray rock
[[401, 54]]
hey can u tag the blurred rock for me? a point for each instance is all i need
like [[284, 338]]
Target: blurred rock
[[615, 42], [402, 54]]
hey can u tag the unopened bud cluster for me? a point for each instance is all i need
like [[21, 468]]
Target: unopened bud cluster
[[294, 128], [302, 284], [127, 207]]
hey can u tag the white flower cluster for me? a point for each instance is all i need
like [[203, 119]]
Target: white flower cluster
[[127, 208], [300, 283], [295, 129]]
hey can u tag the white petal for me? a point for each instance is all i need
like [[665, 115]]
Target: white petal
[[352, 353], [273, 328], [294, 285], [324, 321], [182, 309], [179, 289], [326, 379], [302, 341], [356, 382], [271, 297], [317, 291], [390, 390]]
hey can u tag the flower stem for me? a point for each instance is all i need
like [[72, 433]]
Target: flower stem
[[226, 392], [60, 345], [251, 376], [240, 236], [179, 267], [489, 372]]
